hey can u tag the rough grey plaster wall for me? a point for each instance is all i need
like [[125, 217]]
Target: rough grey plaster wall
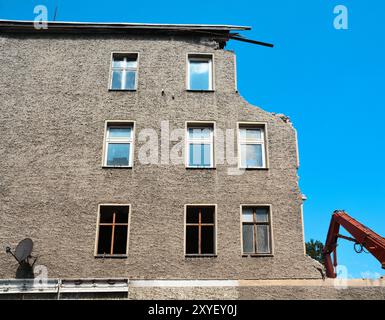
[[54, 102]]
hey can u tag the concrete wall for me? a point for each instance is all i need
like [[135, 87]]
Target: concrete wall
[[54, 103], [258, 293], [357, 289]]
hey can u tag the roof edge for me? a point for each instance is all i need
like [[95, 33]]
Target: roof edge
[[124, 25]]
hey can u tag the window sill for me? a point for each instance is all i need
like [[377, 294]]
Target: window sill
[[129, 90], [111, 256], [195, 256], [201, 168], [191, 90], [254, 255], [254, 169], [116, 167]]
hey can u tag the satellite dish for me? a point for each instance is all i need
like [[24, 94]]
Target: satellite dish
[[23, 249], [22, 254]]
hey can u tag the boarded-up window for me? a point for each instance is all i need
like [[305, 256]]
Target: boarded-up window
[[200, 230], [256, 233], [113, 230]]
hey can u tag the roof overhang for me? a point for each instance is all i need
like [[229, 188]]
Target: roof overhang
[[24, 25], [216, 32]]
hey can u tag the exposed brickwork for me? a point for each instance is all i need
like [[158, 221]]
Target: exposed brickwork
[[53, 108]]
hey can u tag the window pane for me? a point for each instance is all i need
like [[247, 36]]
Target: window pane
[[199, 75], [192, 215], [131, 62], [191, 240], [247, 214], [248, 236], [263, 245], [251, 156], [118, 62], [130, 80], [106, 215], [117, 80], [199, 133], [119, 132], [121, 214], [200, 155], [120, 240], [104, 241], [255, 134], [262, 214], [208, 214], [118, 154], [107, 212], [207, 245]]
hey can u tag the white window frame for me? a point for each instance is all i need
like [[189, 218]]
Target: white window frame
[[96, 255], [108, 140], [125, 55], [271, 229], [246, 141], [205, 57], [210, 140]]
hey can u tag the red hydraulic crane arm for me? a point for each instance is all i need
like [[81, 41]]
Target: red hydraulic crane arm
[[362, 235]]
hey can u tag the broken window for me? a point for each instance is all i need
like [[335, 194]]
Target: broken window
[[118, 148], [113, 230], [200, 230], [200, 145], [252, 146], [124, 71], [200, 76], [256, 225]]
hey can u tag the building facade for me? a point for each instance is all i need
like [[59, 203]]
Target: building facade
[[128, 152]]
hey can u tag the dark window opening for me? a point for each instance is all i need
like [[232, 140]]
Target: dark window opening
[[200, 230], [104, 243], [207, 214], [113, 230], [207, 245], [192, 239], [192, 215]]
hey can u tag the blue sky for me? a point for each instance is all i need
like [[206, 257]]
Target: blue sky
[[329, 82]]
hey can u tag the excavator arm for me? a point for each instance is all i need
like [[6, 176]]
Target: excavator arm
[[362, 236]]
